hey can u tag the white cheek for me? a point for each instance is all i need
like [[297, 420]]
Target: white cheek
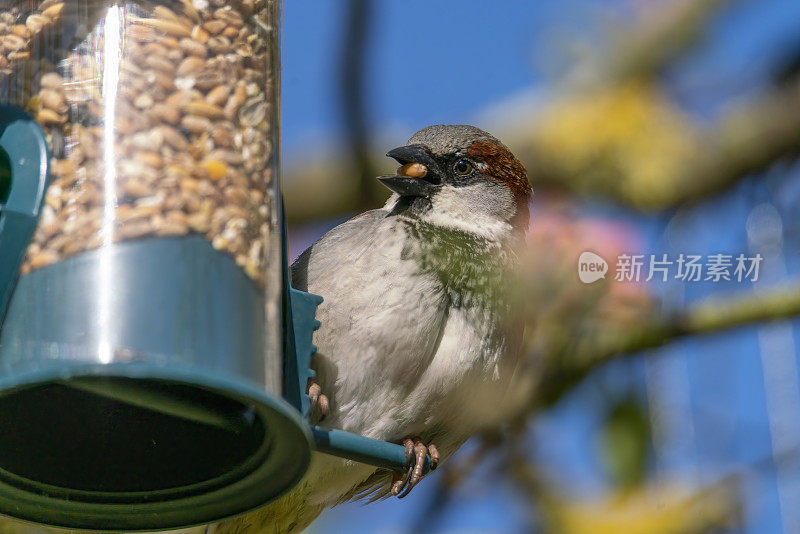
[[482, 209]]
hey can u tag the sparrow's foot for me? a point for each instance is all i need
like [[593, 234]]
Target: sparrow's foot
[[416, 451], [319, 401]]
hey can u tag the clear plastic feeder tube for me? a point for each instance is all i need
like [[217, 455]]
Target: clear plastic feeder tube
[[161, 121]]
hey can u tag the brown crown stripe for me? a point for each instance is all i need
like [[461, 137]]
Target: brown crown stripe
[[504, 167]]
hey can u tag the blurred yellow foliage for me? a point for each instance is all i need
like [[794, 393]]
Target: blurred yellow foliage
[[662, 509], [629, 136]]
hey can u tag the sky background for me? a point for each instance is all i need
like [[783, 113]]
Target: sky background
[[724, 401]]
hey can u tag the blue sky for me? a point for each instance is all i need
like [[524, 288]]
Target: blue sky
[[450, 61], [429, 62]]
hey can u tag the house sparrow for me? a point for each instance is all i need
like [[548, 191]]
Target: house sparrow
[[417, 345]]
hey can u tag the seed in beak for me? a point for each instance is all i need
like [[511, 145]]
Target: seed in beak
[[414, 170]]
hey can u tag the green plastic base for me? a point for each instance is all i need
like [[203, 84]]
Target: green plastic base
[[138, 391], [121, 496]]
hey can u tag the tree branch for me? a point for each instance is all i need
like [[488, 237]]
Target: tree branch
[[746, 141], [708, 317], [658, 41]]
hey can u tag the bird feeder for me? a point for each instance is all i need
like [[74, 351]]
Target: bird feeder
[[153, 360]]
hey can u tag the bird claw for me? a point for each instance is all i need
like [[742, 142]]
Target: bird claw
[[416, 451], [319, 401]]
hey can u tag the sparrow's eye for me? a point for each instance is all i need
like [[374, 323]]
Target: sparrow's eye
[[463, 166]]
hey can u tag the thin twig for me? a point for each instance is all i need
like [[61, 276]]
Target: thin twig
[[353, 84]]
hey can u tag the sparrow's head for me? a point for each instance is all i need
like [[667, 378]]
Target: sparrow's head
[[463, 177]]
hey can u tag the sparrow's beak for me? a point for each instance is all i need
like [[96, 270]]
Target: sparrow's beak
[[418, 175]]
